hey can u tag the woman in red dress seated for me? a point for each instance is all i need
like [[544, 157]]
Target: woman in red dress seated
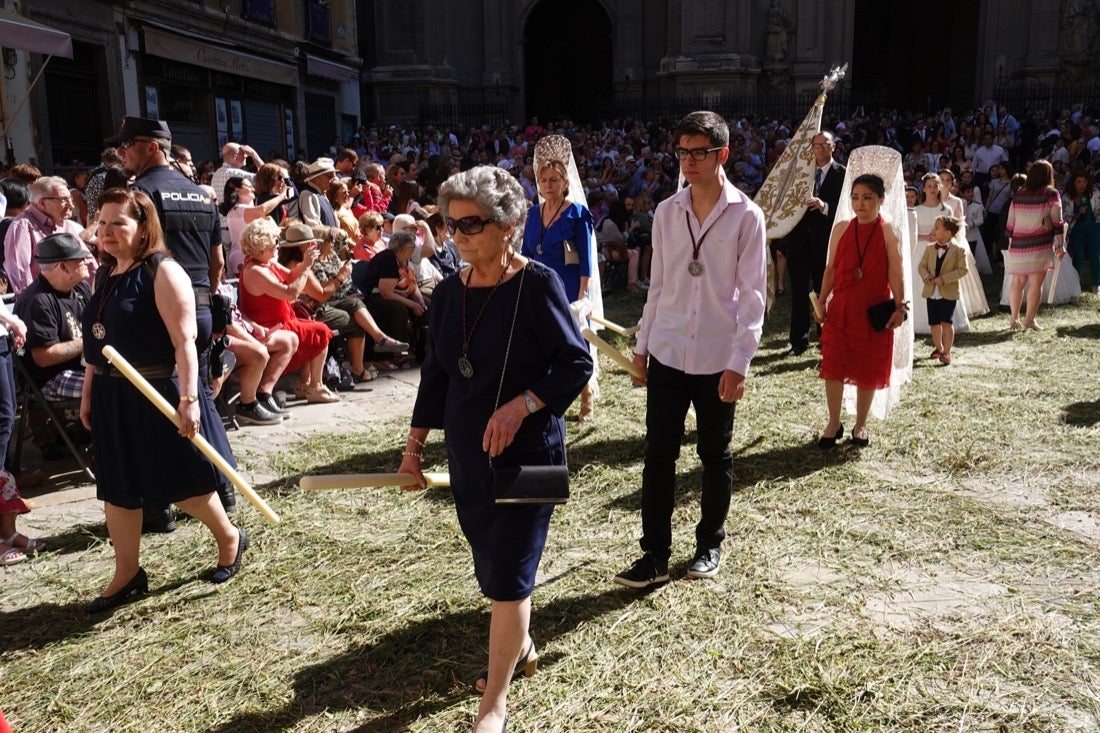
[[865, 268], [267, 294]]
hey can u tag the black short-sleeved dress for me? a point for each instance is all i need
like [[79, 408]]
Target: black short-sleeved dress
[[140, 458], [548, 357]]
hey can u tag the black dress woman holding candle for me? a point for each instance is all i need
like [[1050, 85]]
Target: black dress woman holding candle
[[144, 307]]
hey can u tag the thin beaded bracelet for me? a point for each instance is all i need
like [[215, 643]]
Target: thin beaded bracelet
[[410, 454], [414, 439]]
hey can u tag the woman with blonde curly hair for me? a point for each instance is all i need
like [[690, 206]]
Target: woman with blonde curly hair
[[267, 294]]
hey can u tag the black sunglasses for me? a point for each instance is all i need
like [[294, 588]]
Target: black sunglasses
[[468, 225]]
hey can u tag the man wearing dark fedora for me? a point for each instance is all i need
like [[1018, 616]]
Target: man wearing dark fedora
[[52, 306], [192, 233]]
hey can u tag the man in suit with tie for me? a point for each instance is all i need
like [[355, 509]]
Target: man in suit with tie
[[808, 244]]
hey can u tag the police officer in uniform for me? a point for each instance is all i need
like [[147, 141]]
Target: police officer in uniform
[[192, 232]]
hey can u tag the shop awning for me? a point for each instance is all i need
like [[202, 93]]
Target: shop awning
[[316, 66], [24, 34]]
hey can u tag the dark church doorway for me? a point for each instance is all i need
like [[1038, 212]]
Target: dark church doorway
[[567, 52], [916, 61]]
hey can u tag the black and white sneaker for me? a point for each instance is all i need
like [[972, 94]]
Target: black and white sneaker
[[705, 564], [256, 414], [646, 571], [271, 404]]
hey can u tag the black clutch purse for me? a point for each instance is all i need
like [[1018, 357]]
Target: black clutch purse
[[880, 314], [531, 485], [526, 484]]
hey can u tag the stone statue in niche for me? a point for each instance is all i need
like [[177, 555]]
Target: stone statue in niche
[[777, 41], [1080, 23]]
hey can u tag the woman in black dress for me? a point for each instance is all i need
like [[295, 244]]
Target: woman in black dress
[[144, 307], [501, 306]]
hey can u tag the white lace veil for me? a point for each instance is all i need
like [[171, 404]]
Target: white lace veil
[[557, 147], [885, 163]]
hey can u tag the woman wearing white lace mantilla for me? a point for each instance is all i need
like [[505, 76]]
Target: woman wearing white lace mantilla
[[860, 394], [559, 234]]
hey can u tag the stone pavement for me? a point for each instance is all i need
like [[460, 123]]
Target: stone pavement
[[65, 498]]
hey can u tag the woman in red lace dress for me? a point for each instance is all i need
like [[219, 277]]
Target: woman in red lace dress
[[267, 293], [864, 269]]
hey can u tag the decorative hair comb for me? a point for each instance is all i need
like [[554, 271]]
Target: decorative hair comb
[[554, 147]]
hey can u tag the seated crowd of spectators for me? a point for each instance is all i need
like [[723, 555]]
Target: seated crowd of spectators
[[351, 244]]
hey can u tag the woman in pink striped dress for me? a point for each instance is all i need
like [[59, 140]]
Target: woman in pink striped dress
[[1035, 237]]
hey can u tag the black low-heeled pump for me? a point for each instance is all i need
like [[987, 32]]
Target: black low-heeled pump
[[824, 442], [223, 573], [526, 666], [860, 442], [139, 585]]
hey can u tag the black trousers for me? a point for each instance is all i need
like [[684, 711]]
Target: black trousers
[[669, 393], [806, 267]]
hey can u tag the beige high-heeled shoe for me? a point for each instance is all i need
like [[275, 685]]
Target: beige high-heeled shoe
[[588, 407], [527, 665]]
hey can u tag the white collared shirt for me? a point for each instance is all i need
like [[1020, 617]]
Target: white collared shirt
[[713, 322]]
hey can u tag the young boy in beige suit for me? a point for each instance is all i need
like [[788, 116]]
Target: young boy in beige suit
[[941, 268]]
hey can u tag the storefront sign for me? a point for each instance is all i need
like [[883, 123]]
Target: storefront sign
[[190, 51]]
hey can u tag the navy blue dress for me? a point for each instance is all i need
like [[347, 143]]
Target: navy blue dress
[[548, 357], [140, 458], [547, 245]]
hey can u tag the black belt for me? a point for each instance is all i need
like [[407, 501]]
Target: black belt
[[149, 371]]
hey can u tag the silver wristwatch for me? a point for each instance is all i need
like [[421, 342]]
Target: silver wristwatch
[[532, 406]]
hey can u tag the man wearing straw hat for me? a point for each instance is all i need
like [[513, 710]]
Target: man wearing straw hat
[[315, 208]]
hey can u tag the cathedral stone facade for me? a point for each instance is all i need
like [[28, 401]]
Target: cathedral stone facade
[[575, 57]]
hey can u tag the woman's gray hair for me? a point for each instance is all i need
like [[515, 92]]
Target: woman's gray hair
[[494, 190], [401, 240]]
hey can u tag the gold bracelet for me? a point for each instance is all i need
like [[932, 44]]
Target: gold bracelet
[[189, 398]]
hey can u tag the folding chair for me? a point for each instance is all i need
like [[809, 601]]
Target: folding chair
[[31, 397]]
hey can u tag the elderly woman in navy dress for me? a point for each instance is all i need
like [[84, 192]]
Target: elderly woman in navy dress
[[501, 306]]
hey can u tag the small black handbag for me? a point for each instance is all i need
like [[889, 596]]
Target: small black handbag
[[526, 484], [531, 485], [880, 314]]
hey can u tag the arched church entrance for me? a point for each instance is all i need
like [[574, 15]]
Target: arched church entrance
[[923, 61], [567, 59]]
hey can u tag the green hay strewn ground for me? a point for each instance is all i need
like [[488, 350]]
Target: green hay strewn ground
[[945, 579]]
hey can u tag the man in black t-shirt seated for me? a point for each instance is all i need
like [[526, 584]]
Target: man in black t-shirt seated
[[388, 285], [52, 306]]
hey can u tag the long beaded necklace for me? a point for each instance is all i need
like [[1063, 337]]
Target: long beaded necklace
[[98, 329], [465, 368], [861, 251], [545, 226]]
